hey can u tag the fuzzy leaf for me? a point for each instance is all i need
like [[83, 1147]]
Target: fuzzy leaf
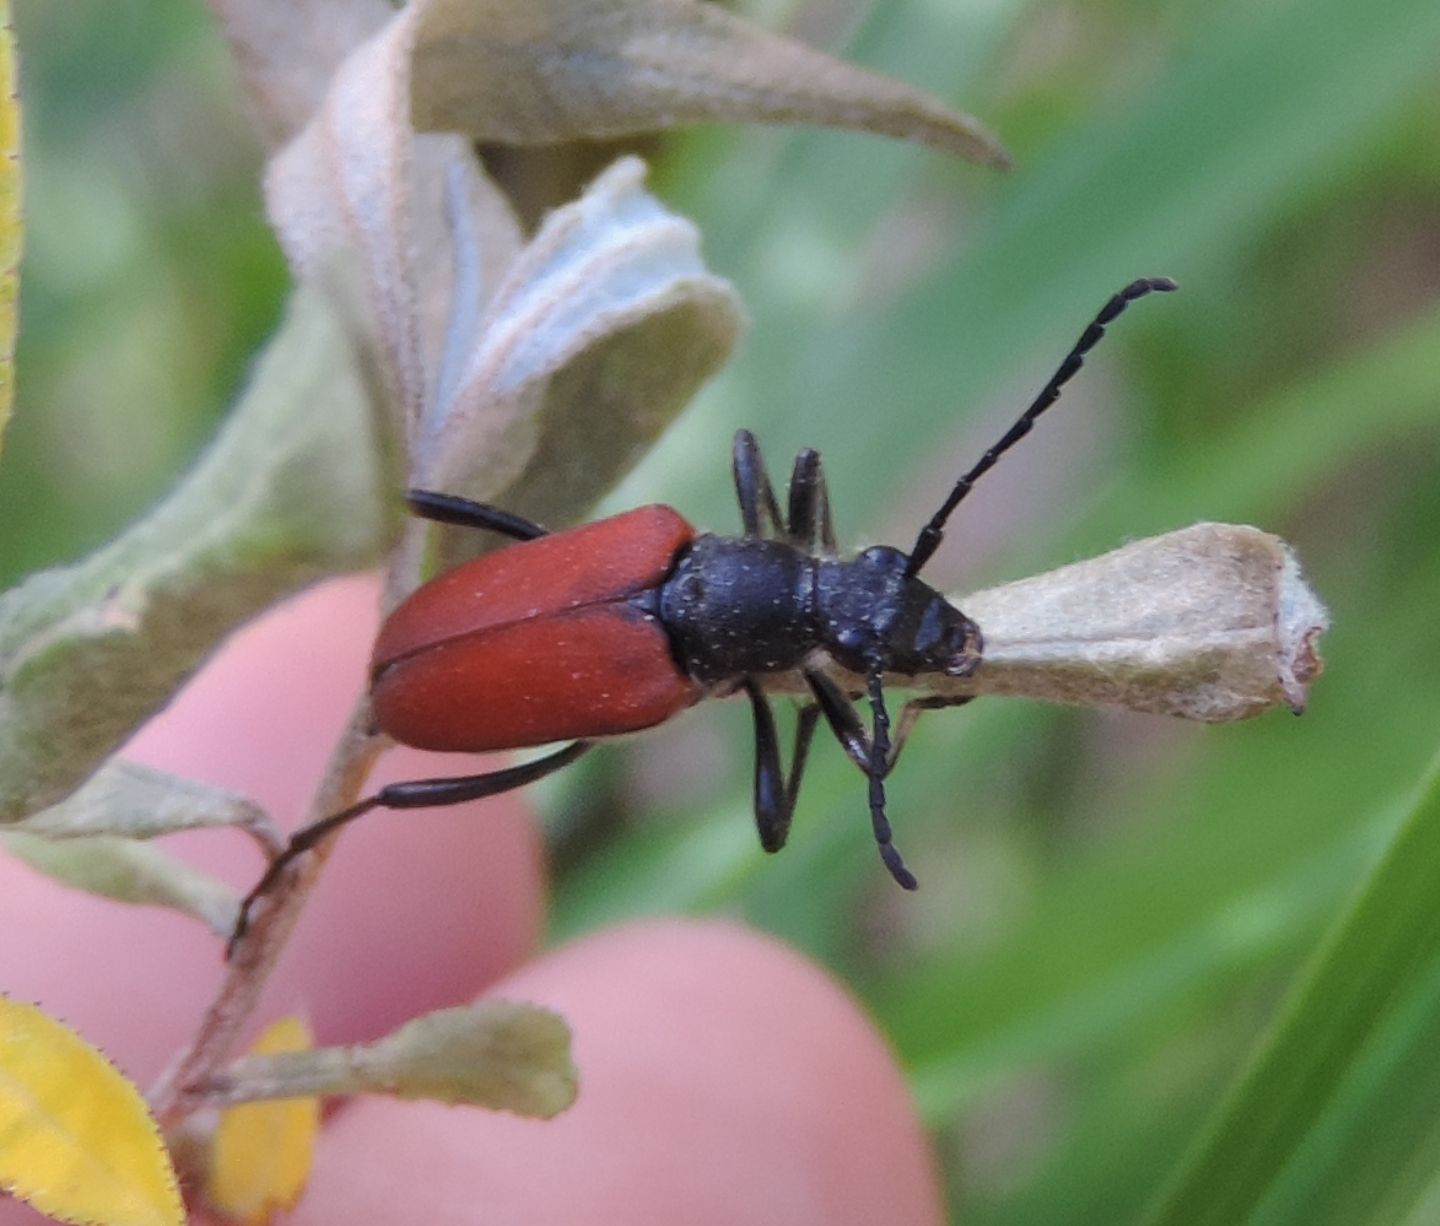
[[263, 1152], [496, 1054], [131, 872], [76, 1139], [350, 186], [288, 492], [12, 223], [287, 50], [560, 70], [140, 802], [535, 378], [606, 325]]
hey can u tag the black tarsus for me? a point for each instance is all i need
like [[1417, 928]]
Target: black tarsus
[[933, 532], [879, 755]]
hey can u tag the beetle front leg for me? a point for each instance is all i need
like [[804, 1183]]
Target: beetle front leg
[[811, 527], [879, 764], [912, 711], [774, 795], [759, 511], [845, 722], [417, 794]]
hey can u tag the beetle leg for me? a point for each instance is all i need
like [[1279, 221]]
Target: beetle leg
[[774, 794], [452, 509], [811, 527], [759, 512], [840, 714], [912, 711], [879, 758], [850, 732], [418, 794], [874, 754]]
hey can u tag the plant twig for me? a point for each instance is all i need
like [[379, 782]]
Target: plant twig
[[255, 956]]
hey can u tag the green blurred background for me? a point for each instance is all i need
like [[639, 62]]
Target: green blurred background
[[1113, 906]]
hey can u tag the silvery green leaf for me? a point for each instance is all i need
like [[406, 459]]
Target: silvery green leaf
[[288, 492], [498, 1054], [139, 802], [604, 327], [560, 70], [357, 184], [534, 378], [129, 871], [285, 52]]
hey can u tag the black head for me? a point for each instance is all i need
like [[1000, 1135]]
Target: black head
[[875, 614]]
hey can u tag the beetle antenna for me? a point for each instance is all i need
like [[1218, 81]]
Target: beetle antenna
[[933, 532]]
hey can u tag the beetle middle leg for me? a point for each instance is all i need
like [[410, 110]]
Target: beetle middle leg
[[774, 794], [416, 794], [759, 510], [810, 527]]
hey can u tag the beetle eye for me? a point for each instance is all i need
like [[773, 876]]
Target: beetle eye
[[968, 648]]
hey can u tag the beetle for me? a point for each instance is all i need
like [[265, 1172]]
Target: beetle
[[620, 624]]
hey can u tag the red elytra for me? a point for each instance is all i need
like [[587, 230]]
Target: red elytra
[[536, 642]]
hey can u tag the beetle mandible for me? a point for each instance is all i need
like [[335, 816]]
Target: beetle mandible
[[617, 625]]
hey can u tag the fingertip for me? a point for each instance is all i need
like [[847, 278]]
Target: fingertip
[[724, 1078]]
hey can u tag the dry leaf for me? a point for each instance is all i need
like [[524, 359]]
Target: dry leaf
[[1213, 622], [263, 1152], [76, 1139], [556, 70]]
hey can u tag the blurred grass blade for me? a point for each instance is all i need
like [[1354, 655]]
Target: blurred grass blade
[[11, 221], [1310, 1133]]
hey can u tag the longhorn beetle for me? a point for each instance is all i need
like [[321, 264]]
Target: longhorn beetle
[[617, 625]]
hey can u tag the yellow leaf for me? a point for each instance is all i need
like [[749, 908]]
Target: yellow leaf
[[11, 225], [76, 1139], [262, 1152]]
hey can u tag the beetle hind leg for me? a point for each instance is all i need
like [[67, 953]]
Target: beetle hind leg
[[417, 794], [759, 511]]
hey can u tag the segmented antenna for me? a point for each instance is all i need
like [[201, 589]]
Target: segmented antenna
[[933, 532]]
